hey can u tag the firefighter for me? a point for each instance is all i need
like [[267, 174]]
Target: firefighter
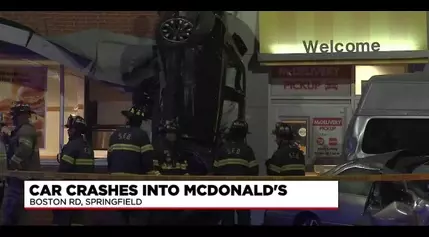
[[23, 154], [168, 161], [168, 157], [288, 159], [76, 157], [235, 157], [3, 155], [130, 152]]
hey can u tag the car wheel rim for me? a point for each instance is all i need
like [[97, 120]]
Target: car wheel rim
[[176, 30], [310, 222]]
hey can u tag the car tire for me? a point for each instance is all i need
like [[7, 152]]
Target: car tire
[[306, 219]]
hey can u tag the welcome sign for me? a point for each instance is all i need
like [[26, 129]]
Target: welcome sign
[[311, 46], [290, 32]]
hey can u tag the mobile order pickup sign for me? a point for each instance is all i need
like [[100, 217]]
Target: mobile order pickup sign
[[180, 195]]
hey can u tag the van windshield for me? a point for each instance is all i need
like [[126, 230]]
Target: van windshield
[[390, 134]]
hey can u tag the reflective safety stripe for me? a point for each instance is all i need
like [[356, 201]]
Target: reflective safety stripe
[[3, 156], [80, 161], [26, 142], [234, 161], [253, 163], [146, 148], [124, 147], [68, 159], [77, 161], [154, 172], [16, 159], [279, 169]]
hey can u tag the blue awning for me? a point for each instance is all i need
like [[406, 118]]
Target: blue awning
[[12, 51]]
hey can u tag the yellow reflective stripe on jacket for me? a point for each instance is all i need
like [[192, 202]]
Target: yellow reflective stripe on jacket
[[77, 161], [279, 169], [253, 163], [146, 148], [124, 147], [26, 142], [16, 159], [234, 161], [68, 159], [84, 161], [154, 172]]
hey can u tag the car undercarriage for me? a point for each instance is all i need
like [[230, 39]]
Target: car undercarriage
[[193, 52]]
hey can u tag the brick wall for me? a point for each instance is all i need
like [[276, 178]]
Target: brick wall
[[138, 23]]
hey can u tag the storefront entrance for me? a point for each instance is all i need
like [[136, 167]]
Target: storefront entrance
[[319, 63], [319, 126]]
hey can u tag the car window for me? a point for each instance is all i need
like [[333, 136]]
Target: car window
[[356, 187], [390, 134]]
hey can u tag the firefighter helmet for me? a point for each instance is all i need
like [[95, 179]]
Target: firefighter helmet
[[20, 108], [283, 130], [239, 127], [134, 112], [76, 122]]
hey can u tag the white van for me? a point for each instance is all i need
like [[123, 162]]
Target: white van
[[393, 114]]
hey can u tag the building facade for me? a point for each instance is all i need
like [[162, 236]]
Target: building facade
[[305, 68], [57, 23], [315, 64]]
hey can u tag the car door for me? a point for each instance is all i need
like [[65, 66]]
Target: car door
[[352, 198]]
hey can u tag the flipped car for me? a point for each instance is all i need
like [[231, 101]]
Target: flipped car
[[370, 203]]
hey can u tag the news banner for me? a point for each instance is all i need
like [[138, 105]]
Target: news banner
[[159, 195]]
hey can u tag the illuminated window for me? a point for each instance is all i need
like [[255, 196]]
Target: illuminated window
[[365, 72]]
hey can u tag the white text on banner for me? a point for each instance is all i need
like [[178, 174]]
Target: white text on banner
[[159, 195]]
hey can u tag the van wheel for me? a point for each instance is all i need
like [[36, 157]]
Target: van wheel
[[306, 219]]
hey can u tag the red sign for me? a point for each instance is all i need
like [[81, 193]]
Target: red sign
[[313, 72], [327, 122], [333, 141]]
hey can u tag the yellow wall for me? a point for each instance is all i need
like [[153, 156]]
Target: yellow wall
[[284, 31]]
